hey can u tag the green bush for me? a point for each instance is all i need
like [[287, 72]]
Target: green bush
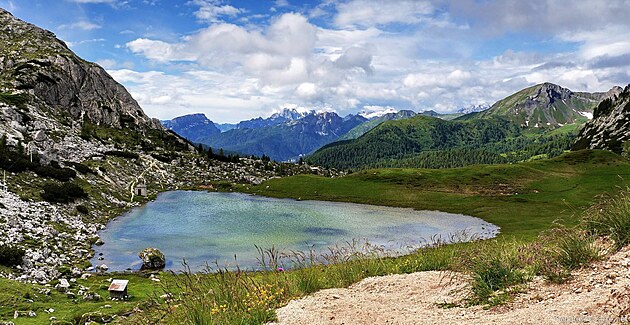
[[83, 209], [18, 100], [11, 256], [494, 268], [60, 174], [574, 247], [122, 154], [64, 193]]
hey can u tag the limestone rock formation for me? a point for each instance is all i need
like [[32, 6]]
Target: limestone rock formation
[[610, 127], [152, 259], [34, 62]]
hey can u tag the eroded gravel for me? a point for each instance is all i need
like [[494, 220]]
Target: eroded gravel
[[597, 294]]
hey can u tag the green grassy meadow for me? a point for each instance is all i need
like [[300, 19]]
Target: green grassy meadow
[[524, 199]]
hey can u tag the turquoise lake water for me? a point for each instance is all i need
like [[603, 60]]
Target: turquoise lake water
[[212, 227]]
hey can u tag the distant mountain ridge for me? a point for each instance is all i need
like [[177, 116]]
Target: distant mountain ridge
[[192, 127], [397, 139], [282, 138], [544, 105]]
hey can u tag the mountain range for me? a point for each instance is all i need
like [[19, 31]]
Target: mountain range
[[290, 133], [524, 125], [284, 136]]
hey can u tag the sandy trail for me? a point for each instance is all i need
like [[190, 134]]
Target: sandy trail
[[597, 294]]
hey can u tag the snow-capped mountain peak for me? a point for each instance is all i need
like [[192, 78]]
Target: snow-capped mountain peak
[[371, 112], [294, 113]]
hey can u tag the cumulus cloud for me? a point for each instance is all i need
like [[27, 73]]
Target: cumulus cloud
[[355, 57], [212, 10], [445, 56]]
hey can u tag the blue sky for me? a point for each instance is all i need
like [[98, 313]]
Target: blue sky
[[235, 60]]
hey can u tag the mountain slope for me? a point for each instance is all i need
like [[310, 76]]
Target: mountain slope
[[73, 147], [543, 106], [56, 101], [192, 127], [287, 140], [398, 139], [361, 129], [610, 127]]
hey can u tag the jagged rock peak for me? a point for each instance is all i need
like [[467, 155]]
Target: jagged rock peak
[[610, 127], [552, 91], [35, 62]]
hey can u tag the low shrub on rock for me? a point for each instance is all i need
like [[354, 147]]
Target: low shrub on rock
[[64, 193], [11, 256]]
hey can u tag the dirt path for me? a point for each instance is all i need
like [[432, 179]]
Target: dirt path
[[597, 294]]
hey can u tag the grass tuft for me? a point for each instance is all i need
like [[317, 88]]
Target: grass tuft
[[611, 217]]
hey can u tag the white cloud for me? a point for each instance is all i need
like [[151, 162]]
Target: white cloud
[[83, 25], [438, 60], [306, 90], [107, 63], [211, 10], [281, 3], [381, 12], [355, 57], [87, 41], [549, 17]]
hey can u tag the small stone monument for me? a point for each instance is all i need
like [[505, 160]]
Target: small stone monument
[[141, 189]]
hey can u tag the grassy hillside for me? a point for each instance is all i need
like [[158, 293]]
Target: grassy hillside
[[365, 127], [523, 199]]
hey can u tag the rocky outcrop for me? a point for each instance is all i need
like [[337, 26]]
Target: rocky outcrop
[[152, 259], [610, 127], [33, 61]]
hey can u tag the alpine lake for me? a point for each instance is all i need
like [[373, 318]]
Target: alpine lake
[[225, 229]]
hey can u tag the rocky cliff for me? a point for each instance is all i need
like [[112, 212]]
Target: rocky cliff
[[48, 94], [610, 127]]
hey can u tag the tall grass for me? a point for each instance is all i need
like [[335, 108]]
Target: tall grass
[[611, 217], [222, 296], [494, 268]]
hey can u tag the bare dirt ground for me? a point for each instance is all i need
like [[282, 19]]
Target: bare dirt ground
[[596, 294]]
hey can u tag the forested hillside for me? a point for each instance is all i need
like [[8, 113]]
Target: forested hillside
[[397, 143]]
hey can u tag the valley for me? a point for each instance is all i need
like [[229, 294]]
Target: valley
[[504, 200]]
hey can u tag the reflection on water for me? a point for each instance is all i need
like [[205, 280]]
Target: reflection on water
[[214, 227]]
